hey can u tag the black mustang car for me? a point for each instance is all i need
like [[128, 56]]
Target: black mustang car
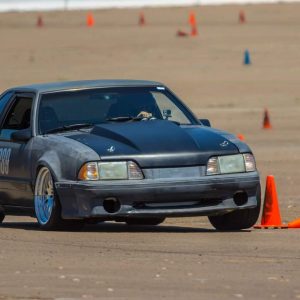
[[128, 151]]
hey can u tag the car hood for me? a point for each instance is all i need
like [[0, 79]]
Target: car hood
[[158, 143]]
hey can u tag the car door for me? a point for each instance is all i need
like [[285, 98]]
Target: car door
[[15, 156]]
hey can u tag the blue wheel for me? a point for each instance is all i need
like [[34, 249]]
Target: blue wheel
[[44, 198], [47, 206]]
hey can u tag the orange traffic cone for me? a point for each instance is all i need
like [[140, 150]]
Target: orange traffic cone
[[40, 22], [267, 122], [294, 224], [242, 17], [193, 24], [241, 137], [90, 22], [271, 214], [142, 20], [192, 19]]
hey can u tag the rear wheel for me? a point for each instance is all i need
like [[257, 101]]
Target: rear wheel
[[2, 216], [237, 220], [145, 221], [47, 205]]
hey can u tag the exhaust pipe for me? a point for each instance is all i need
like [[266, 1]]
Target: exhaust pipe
[[111, 205], [240, 198]]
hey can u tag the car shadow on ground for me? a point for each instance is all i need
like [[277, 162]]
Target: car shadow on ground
[[117, 227]]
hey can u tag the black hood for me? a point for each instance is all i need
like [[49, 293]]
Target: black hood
[[156, 143]]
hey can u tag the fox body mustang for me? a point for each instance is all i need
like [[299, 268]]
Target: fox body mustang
[[122, 150]]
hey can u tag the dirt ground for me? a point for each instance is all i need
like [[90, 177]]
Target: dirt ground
[[183, 258]]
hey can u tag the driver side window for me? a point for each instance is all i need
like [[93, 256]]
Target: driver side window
[[17, 118]]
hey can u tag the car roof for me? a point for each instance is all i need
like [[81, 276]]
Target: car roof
[[83, 84]]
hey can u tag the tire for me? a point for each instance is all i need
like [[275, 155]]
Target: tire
[[47, 205], [2, 216], [237, 220], [145, 221]]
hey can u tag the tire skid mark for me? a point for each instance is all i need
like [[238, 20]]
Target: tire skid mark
[[167, 252]]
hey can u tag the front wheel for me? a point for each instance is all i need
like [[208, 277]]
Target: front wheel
[[47, 205], [237, 220], [145, 221]]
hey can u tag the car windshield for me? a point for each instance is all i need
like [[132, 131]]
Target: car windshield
[[62, 110]]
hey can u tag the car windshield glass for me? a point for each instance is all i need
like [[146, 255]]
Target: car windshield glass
[[95, 106]]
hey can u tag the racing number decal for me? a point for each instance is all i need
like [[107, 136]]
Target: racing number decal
[[4, 160]]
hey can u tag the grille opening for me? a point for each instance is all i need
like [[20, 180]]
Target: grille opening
[[240, 198], [176, 204]]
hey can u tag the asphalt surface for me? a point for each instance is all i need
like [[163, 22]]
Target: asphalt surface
[[185, 259]]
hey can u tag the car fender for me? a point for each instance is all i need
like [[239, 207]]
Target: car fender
[[51, 160], [61, 155]]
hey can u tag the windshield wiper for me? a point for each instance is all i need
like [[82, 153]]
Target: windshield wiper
[[124, 119], [70, 127]]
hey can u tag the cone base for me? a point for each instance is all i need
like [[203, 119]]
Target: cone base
[[282, 226], [181, 33], [294, 224]]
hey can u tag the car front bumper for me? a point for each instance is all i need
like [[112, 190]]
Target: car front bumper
[[208, 195]]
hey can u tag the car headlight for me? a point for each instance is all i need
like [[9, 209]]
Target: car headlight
[[250, 164], [110, 171], [238, 163]]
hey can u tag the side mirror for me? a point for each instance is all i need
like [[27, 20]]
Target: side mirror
[[167, 113], [23, 135], [205, 122]]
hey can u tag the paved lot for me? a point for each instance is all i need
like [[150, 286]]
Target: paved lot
[[183, 258]]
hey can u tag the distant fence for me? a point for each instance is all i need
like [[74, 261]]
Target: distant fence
[[36, 5]]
